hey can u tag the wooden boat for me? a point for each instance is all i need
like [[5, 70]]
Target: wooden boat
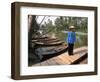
[[51, 51], [48, 46], [47, 41]]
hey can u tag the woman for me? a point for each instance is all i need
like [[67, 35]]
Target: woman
[[71, 39]]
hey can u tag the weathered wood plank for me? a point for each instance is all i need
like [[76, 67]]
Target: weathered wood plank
[[79, 50], [52, 62], [59, 61], [38, 64], [77, 56], [67, 57], [44, 63], [84, 61], [77, 61], [78, 53], [64, 58]]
